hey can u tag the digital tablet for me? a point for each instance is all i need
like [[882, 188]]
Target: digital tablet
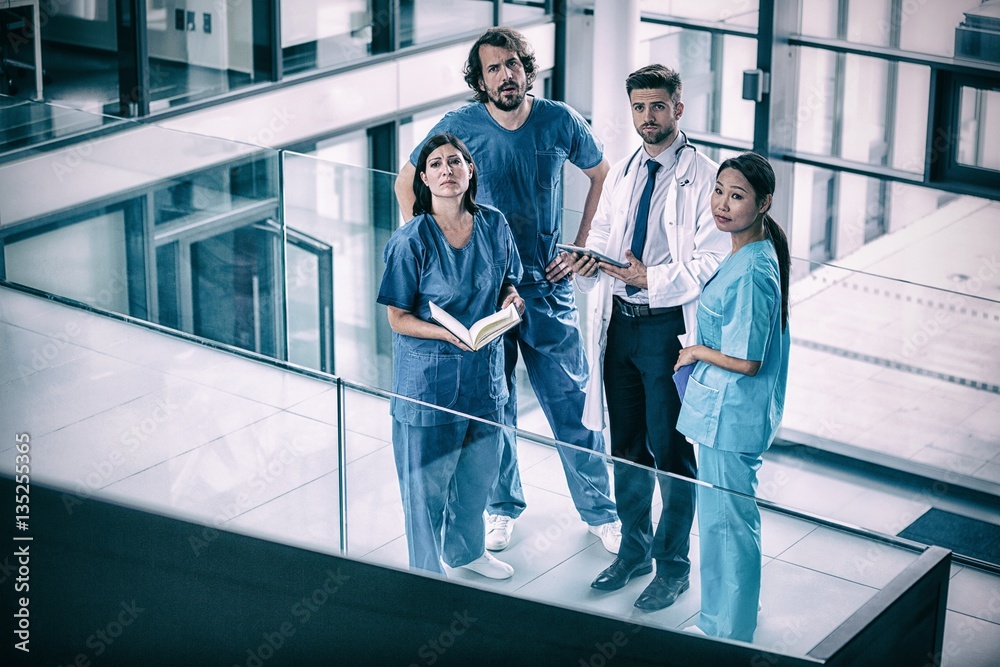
[[593, 253]]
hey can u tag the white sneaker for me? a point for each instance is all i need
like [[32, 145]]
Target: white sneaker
[[610, 534], [488, 566], [695, 629], [498, 530]]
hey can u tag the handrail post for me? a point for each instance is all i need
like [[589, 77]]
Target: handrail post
[[342, 461]]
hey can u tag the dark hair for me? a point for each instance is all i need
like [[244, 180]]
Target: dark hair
[[420, 189], [504, 38], [655, 76], [758, 172]]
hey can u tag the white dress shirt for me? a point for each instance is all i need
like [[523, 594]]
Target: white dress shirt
[[656, 250]]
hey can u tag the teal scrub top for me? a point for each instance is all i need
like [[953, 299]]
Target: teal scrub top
[[739, 313], [420, 267]]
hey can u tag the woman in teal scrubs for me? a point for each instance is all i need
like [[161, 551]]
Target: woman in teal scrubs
[[460, 256], [736, 393]]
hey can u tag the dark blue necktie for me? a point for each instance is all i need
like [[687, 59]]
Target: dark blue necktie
[[642, 218]]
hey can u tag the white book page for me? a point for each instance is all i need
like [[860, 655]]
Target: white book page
[[450, 323], [488, 328], [483, 331]]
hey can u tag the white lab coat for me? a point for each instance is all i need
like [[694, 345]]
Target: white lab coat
[[697, 247]]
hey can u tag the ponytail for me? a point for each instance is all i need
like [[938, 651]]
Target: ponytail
[[758, 172], [776, 234]]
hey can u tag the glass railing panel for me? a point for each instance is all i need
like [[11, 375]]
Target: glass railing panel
[[897, 370], [887, 359], [339, 219], [805, 592], [199, 242], [192, 239], [234, 444], [119, 412], [25, 124]]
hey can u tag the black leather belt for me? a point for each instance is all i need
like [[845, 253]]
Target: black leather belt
[[627, 309]]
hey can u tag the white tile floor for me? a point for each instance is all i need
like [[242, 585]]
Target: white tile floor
[[122, 412]]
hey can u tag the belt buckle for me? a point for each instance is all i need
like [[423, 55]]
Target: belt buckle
[[628, 309]]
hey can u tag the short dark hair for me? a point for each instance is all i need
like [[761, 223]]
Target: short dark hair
[[655, 76], [423, 203], [504, 38]]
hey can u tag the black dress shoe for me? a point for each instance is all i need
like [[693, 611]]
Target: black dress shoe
[[661, 592], [618, 574]]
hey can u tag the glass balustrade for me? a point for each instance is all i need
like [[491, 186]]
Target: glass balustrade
[[804, 597], [280, 253], [233, 444]]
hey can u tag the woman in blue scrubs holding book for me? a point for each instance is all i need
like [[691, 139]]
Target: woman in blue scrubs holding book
[[461, 256], [735, 395]]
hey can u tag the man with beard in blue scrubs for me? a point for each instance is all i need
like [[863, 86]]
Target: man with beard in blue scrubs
[[519, 143]]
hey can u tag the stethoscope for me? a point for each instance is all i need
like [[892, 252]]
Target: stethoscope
[[677, 154]]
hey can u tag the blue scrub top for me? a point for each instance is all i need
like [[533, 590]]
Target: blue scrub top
[[420, 267], [739, 313], [520, 173]]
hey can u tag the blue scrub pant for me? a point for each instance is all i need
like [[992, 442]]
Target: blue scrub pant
[[729, 529], [445, 474], [549, 338]]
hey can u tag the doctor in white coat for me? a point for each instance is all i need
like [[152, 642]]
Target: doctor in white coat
[[655, 216]]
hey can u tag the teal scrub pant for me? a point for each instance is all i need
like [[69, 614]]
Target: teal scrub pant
[[729, 530], [445, 475]]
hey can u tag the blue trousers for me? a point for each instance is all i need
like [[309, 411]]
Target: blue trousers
[[729, 529], [549, 339], [445, 474]]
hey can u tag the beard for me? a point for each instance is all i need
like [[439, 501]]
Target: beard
[[508, 103], [656, 136]]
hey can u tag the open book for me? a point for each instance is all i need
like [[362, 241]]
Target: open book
[[593, 253], [483, 331]]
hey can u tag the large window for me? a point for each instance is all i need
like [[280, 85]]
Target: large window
[[733, 12], [979, 128], [711, 66], [136, 59], [319, 34]]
